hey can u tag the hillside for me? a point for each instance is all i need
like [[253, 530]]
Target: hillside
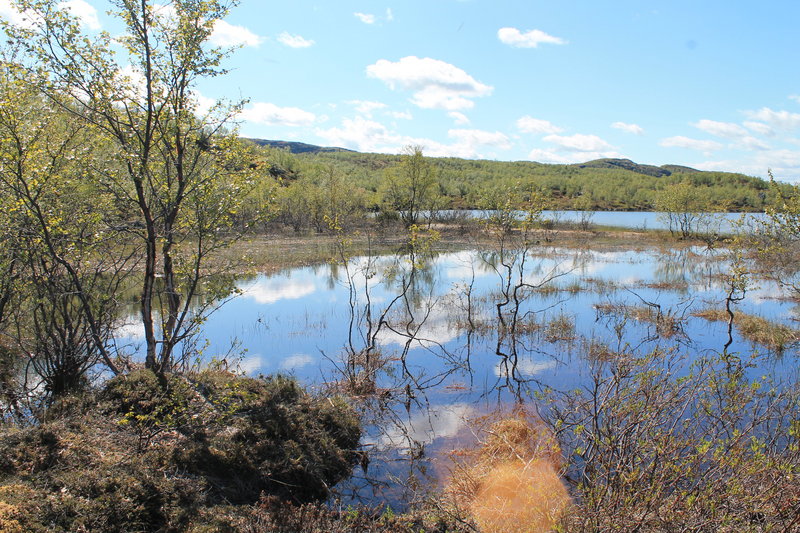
[[605, 184], [297, 147]]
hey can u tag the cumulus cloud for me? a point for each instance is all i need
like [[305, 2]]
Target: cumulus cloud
[[472, 139], [296, 361], [403, 115], [368, 135], [549, 155], [294, 41], [459, 118], [366, 107], [579, 142], [785, 164], [750, 143], [528, 124], [781, 120], [226, 34], [80, 9], [721, 129], [692, 144], [84, 12], [358, 133], [366, 18], [629, 128], [269, 291], [272, 115], [435, 84], [524, 367], [203, 104], [759, 127], [529, 39], [14, 16]]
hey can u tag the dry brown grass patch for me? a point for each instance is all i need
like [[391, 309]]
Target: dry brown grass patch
[[510, 482], [756, 329]]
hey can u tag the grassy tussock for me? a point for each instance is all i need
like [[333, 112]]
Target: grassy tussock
[[510, 482], [772, 335]]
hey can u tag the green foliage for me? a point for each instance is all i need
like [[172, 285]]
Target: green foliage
[[654, 444], [459, 182], [410, 187]]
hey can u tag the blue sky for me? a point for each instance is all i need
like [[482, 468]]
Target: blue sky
[[706, 83]]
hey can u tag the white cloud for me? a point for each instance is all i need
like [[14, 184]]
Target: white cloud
[[132, 81], [785, 164], [368, 135], [524, 367], [443, 422], [84, 12], [436, 84], [359, 134], [366, 18], [782, 120], [268, 291], [130, 331], [692, 144], [472, 139], [579, 142], [296, 361], [28, 19], [272, 115], [566, 158], [389, 14], [294, 41], [203, 104], [629, 128], [250, 364], [528, 124], [529, 39], [721, 129], [759, 127], [750, 143], [226, 34], [459, 118], [795, 97], [403, 115], [366, 107]]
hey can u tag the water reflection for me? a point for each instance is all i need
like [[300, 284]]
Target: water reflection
[[424, 342]]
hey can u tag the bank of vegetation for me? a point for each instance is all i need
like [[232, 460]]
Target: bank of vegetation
[[117, 193]]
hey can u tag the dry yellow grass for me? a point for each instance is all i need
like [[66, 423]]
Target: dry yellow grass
[[510, 483], [758, 330]]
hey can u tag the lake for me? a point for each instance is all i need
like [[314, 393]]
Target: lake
[[636, 220], [426, 342]]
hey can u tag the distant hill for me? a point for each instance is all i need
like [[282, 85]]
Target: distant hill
[[609, 184], [627, 164], [680, 168], [298, 147]]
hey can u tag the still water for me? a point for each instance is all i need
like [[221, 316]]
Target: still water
[[426, 343]]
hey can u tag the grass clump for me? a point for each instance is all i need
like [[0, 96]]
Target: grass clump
[[758, 330], [510, 482]]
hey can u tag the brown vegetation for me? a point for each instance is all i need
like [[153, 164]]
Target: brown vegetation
[[772, 335], [510, 482]]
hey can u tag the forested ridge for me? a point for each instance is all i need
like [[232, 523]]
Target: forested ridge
[[603, 184]]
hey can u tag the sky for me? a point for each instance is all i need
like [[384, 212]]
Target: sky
[[711, 84]]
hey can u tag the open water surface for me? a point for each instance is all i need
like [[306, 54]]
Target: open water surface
[[426, 340]]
